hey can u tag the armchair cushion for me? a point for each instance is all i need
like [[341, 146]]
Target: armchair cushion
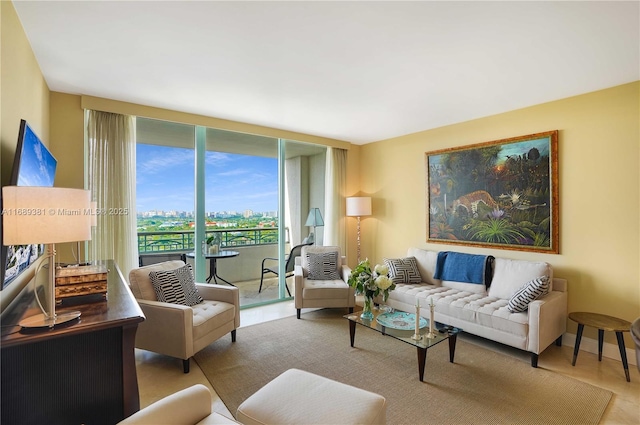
[[176, 286], [323, 265], [210, 315]]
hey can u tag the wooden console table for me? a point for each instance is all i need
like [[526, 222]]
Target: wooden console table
[[83, 372]]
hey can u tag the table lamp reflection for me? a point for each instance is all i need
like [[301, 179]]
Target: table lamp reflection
[[314, 219]]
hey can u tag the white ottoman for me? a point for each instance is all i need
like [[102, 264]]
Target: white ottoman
[[297, 397]]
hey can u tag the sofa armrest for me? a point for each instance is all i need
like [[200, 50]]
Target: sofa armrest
[[167, 329], [547, 320], [188, 406], [345, 272], [559, 284]]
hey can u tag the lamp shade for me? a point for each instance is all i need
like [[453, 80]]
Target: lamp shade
[[358, 206], [45, 215], [314, 218]]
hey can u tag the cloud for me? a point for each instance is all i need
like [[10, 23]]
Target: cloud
[[236, 172], [155, 161]]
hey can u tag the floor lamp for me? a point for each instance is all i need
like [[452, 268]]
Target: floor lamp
[[46, 215], [358, 206], [314, 219]]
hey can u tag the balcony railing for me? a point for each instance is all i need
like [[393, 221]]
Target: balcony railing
[[183, 240]]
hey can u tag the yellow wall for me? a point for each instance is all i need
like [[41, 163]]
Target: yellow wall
[[599, 158], [24, 95]]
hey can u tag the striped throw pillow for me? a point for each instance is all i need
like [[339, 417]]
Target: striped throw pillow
[[531, 290], [176, 286], [403, 270], [323, 265]]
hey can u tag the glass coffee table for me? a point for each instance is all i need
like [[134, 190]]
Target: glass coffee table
[[401, 326]]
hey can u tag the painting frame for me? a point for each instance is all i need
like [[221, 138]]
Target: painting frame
[[501, 194]]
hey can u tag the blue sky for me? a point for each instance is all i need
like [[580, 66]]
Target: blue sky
[[37, 165], [165, 180]]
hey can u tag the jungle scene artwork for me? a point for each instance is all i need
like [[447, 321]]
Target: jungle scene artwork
[[499, 194]]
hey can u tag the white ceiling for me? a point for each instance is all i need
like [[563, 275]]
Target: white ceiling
[[354, 71]]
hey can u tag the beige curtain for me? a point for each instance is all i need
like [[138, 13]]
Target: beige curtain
[[334, 202], [112, 181]]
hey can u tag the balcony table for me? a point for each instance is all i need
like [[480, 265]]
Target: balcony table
[[213, 264]]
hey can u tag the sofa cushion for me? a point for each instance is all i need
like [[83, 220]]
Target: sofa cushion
[[176, 286], [474, 288], [532, 290], [323, 265], [426, 261], [403, 270], [511, 275]]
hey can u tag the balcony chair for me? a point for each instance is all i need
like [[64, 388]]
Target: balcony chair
[[178, 330], [327, 286], [288, 268]]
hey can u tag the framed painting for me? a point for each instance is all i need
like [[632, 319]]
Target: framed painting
[[500, 194]]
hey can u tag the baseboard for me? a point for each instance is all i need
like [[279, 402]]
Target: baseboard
[[609, 350]]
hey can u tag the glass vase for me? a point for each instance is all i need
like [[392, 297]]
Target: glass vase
[[368, 303]]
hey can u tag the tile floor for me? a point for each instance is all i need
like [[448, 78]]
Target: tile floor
[[159, 376]]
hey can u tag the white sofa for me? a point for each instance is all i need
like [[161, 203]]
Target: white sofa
[[483, 312]]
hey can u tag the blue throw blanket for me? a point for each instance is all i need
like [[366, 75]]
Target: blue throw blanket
[[466, 268]]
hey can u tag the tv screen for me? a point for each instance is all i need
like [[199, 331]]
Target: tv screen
[[33, 165]]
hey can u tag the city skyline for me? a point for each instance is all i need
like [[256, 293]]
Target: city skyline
[[233, 182], [209, 214]]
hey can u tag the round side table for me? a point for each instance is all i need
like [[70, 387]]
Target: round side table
[[603, 323]]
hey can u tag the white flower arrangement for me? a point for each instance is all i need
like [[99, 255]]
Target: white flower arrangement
[[371, 283]]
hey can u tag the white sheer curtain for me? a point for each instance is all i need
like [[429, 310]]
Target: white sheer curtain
[[334, 201], [112, 181]]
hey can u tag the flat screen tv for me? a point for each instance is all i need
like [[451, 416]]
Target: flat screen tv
[[33, 165]]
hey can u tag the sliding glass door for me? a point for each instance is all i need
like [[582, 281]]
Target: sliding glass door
[[233, 204]]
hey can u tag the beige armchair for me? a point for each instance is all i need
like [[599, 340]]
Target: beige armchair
[[322, 293], [178, 330]]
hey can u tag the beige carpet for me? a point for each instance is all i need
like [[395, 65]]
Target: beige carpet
[[481, 387]]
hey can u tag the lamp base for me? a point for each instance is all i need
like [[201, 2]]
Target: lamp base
[[42, 321]]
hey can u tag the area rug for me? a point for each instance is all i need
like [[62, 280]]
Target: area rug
[[481, 387]]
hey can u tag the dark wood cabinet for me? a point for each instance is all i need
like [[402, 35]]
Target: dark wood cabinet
[[83, 372]]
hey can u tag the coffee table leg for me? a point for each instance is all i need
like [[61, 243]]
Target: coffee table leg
[[452, 346], [577, 347], [352, 331], [623, 355], [422, 360], [600, 342]]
